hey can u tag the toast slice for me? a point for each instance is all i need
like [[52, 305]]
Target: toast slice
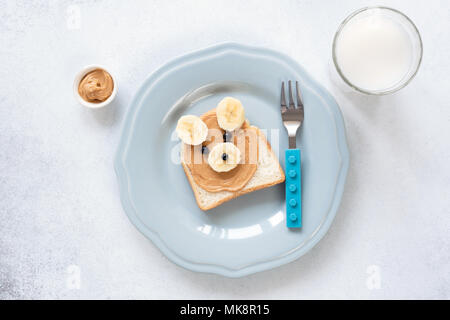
[[268, 173]]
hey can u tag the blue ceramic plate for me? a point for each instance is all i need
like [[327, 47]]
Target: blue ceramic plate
[[247, 234]]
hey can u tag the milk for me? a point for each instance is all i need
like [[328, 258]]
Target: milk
[[373, 52]]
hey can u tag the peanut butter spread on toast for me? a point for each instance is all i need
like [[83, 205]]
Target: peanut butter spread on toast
[[195, 157]]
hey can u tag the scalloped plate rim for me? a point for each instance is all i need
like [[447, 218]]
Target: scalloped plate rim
[[153, 235]]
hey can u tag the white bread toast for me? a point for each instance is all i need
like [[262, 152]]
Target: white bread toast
[[268, 173]]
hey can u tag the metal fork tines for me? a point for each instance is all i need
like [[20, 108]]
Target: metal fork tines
[[291, 115]]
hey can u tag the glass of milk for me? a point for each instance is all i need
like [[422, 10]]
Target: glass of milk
[[377, 50]]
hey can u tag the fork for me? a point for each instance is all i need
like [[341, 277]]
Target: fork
[[292, 117]]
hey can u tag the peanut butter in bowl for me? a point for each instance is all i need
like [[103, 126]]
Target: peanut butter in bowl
[[94, 87]]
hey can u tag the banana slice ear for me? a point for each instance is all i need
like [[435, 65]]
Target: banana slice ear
[[191, 130], [224, 157], [230, 114]]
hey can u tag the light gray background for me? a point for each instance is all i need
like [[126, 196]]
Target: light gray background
[[59, 202]]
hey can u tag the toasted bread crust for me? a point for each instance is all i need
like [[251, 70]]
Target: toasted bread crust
[[236, 194]]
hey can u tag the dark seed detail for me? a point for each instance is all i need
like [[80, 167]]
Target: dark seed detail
[[224, 157], [227, 136]]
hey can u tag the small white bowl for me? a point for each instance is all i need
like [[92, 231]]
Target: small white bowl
[[80, 76]]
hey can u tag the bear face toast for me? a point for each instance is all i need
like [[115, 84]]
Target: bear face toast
[[227, 163]]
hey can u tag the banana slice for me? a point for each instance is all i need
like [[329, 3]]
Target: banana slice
[[191, 130], [230, 114], [224, 157]]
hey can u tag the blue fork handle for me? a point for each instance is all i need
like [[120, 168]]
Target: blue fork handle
[[293, 189]]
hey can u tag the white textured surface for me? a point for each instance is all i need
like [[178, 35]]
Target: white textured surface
[[59, 197]]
